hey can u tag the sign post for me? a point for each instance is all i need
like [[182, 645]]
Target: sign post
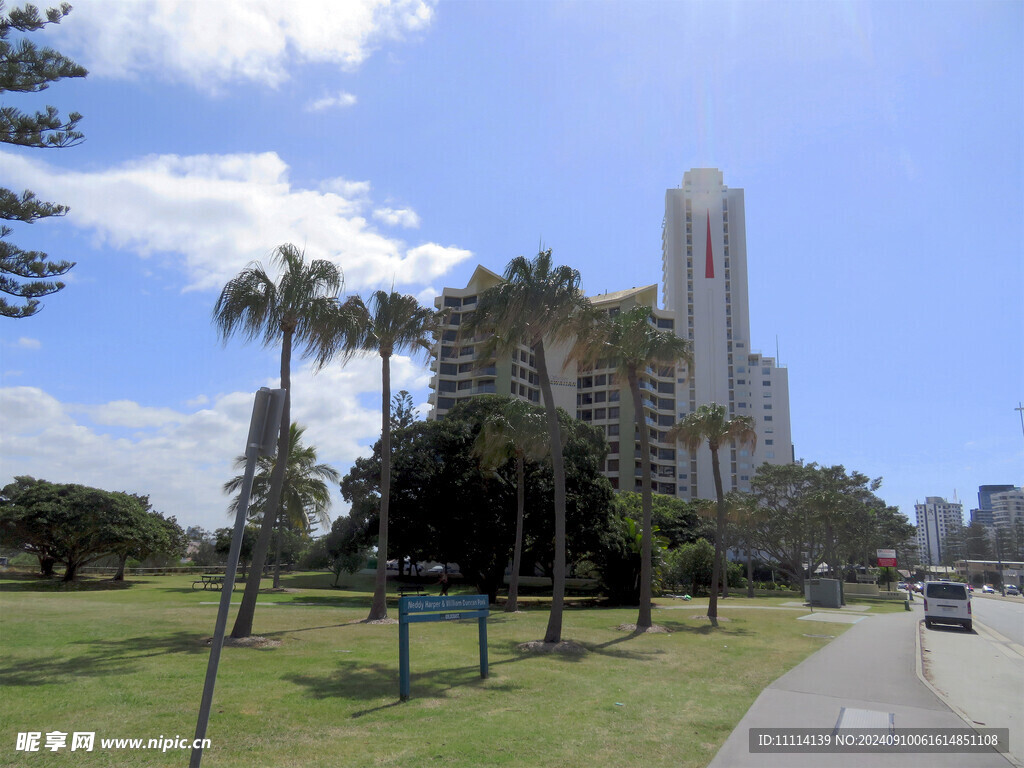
[[423, 608], [263, 430], [887, 559]]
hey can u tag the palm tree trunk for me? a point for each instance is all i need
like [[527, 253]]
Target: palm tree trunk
[[725, 570], [750, 572], [716, 567], [643, 620], [277, 551], [511, 605], [553, 634], [247, 609], [379, 607]]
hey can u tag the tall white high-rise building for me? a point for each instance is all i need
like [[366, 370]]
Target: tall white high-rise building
[[937, 521], [704, 265], [705, 296]]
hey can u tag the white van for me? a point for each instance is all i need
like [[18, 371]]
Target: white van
[[947, 602]]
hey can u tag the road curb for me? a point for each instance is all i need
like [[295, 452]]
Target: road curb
[[919, 669]]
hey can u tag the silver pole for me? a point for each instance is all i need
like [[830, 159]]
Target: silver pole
[[260, 440]]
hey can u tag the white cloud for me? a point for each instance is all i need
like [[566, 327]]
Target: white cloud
[[28, 343], [219, 212], [182, 459], [432, 260], [340, 99], [209, 44], [400, 217], [125, 413]]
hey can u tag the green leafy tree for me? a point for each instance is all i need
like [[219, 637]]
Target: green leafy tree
[[977, 542], [68, 523], [388, 323], [677, 520], [27, 68], [222, 545], [516, 432], [149, 533], [631, 342], [347, 546], [536, 304], [693, 564], [445, 507], [305, 493], [298, 309], [808, 515], [710, 424]]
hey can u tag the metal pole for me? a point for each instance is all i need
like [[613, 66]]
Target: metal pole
[[483, 647], [404, 682], [1020, 410], [265, 403]]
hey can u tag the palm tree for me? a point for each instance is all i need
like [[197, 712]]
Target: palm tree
[[305, 494], [536, 304], [517, 431], [711, 423], [293, 311], [630, 342], [389, 323]]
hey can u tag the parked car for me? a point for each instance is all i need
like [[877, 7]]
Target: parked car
[[988, 589], [947, 602], [1012, 589], [436, 570], [903, 586], [970, 588]]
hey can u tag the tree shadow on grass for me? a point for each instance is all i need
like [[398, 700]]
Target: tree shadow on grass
[[361, 681], [38, 583], [101, 658], [705, 628]]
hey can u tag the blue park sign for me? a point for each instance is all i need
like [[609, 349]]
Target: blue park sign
[[417, 609]]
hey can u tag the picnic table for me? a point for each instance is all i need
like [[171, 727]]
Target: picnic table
[[210, 581]]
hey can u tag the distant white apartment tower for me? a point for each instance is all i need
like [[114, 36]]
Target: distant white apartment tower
[[704, 264], [937, 520], [1008, 508], [594, 395]]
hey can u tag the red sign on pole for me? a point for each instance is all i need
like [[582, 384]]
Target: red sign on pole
[[886, 558]]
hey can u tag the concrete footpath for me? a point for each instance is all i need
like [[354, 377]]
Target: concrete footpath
[[867, 675]]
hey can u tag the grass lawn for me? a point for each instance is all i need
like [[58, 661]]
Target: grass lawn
[[130, 663]]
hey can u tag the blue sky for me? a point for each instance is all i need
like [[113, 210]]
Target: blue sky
[[879, 146]]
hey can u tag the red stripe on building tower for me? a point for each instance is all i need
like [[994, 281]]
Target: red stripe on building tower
[[709, 259]]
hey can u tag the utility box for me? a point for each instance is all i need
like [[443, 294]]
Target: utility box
[[823, 593]]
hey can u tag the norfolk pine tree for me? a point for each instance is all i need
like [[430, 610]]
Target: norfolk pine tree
[[27, 68]]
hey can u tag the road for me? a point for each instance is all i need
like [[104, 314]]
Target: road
[[980, 674], [1003, 614]]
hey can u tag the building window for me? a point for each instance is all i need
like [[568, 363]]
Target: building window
[[767, 418], [613, 413], [613, 430], [767, 406]]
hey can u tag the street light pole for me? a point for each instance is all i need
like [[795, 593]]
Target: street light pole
[[1020, 410]]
